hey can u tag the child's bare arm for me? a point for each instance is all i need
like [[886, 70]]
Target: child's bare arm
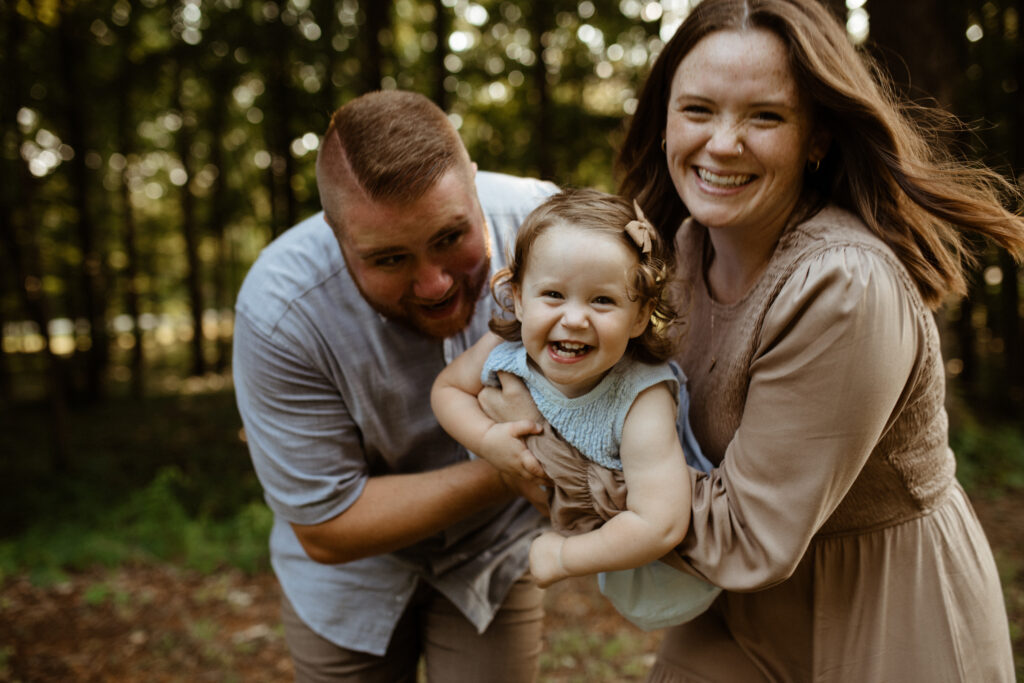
[[658, 501], [454, 401]]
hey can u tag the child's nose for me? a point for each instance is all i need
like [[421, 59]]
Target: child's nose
[[574, 316]]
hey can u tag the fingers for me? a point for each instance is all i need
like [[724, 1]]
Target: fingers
[[511, 402], [534, 470], [521, 428]]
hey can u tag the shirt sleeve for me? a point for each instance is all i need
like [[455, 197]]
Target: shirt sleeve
[[836, 351], [304, 444]]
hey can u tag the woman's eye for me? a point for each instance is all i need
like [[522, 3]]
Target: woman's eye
[[768, 117], [696, 110]]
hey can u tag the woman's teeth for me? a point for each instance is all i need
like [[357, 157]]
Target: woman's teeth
[[726, 180]]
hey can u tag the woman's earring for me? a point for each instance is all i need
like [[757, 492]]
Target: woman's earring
[[814, 166], [663, 144]]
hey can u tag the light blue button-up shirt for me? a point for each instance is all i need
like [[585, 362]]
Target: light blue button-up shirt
[[331, 393]]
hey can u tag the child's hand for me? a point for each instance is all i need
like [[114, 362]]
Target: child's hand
[[504, 448], [546, 559]]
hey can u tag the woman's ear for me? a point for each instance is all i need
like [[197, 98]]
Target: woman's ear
[[821, 140]]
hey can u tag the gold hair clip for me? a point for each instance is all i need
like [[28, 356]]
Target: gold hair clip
[[640, 230]]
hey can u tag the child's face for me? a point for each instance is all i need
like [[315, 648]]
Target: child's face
[[574, 306]]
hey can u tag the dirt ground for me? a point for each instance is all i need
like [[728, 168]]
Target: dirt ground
[[159, 623]]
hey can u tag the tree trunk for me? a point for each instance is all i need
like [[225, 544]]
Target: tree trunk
[[126, 145], [441, 25], [193, 276], [1009, 304], [220, 84], [76, 110], [327, 18], [378, 19], [277, 125], [927, 61], [541, 18], [20, 245]]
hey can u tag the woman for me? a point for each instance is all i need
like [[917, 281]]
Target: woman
[[819, 233]]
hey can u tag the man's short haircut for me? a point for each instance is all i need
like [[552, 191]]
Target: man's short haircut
[[397, 143]]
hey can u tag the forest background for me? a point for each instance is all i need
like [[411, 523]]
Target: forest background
[[148, 151]]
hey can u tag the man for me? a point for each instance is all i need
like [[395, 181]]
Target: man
[[389, 540]]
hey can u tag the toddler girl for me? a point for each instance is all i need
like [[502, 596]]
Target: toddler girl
[[588, 339]]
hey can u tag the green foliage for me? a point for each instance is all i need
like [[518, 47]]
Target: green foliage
[[581, 656], [990, 457], [161, 479]]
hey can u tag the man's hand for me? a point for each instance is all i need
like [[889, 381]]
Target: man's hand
[[504, 448], [535, 494], [546, 559], [509, 403]]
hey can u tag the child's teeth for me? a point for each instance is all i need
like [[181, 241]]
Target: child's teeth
[[570, 348]]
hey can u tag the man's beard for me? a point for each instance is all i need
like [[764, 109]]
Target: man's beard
[[412, 316]]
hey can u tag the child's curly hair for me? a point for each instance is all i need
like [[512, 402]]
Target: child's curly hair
[[610, 214]]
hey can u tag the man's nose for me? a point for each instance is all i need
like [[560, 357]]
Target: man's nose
[[432, 281]]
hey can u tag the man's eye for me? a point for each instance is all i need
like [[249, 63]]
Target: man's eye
[[389, 261], [448, 240]]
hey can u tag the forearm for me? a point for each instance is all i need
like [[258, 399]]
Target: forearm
[[460, 415], [625, 541], [396, 511]]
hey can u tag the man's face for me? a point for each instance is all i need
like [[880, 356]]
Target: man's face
[[424, 263]]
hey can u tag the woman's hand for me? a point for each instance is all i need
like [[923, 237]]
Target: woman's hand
[[509, 403], [546, 559]]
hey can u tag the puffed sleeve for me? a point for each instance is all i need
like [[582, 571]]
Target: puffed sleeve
[[835, 353], [304, 444]]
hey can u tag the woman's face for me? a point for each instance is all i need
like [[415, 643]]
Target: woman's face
[[739, 133]]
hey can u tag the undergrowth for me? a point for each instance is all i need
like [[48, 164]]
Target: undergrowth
[[169, 479]]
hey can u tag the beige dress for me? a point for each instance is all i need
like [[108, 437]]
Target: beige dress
[[846, 548]]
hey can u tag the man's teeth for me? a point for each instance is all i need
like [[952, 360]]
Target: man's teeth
[[440, 304], [729, 180], [569, 349]]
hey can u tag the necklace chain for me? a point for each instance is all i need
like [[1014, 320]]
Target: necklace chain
[[714, 349]]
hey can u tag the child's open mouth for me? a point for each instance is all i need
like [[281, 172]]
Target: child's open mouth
[[569, 350]]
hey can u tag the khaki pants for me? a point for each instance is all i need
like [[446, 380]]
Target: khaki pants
[[452, 650]]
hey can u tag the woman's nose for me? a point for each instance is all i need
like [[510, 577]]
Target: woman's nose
[[726, 139]]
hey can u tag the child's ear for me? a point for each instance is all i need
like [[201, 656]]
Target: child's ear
[[643, 319], [517, 302]]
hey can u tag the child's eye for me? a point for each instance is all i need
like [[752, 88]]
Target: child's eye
[[604, 300], [551, 294]]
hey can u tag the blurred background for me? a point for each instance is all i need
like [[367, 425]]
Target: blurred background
[[150, 148]]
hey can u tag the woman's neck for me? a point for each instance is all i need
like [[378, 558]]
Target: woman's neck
[[734, 262]]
